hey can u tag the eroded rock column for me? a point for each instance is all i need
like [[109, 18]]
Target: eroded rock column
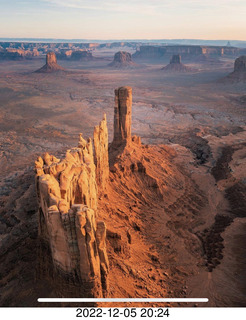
[[122, 116], [101, 155]]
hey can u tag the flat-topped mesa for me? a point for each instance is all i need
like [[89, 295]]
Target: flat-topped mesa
[[51, 64], [67, 197], [122, 117], [101, 155]]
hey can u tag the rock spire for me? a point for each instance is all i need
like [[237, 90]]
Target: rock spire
[[122, 116]]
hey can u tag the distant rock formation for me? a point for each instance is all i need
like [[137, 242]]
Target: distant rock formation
[[81, 55], [239, 73], [123, 60], [175, 65], [72, 241], [64, 54], [240, 64], [122, 117], [17, 54], [187, 51], [51, 64]]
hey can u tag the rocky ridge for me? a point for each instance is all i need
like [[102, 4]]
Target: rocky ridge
[[67, 196]]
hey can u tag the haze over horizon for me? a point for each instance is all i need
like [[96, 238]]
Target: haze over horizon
[[135, 19]]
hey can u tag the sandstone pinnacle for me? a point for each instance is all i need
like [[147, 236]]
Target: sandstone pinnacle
[[122, 116]]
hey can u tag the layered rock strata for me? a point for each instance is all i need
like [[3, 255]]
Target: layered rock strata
[[156, 52], [68, 229], [51, 64], [122, 117]]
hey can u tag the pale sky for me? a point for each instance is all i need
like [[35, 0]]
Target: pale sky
[[124, 19]]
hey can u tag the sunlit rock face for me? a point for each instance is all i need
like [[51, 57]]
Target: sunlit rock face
[[68, 228], [101, 155]]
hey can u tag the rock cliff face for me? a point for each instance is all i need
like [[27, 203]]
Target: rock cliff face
[[64, 54], [240, 64], [17, 54], [239, 73], [82, 55], [175, 65], [156, 52], [123, 60], [68, 229], [51, 64], [122, 117], [176, 58], [101, 155]]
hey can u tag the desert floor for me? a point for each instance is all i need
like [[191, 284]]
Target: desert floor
[[196, 114]]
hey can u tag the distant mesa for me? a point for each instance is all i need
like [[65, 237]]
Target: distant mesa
[[51, 64], [17, 54], [64, 54], [175, 65], [206, 59], [239, 73], [81, 55], [187, 51], [123, 60]]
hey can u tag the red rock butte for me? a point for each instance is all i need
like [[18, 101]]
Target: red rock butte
[[175, 65], [123, 60], [51, 64]]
